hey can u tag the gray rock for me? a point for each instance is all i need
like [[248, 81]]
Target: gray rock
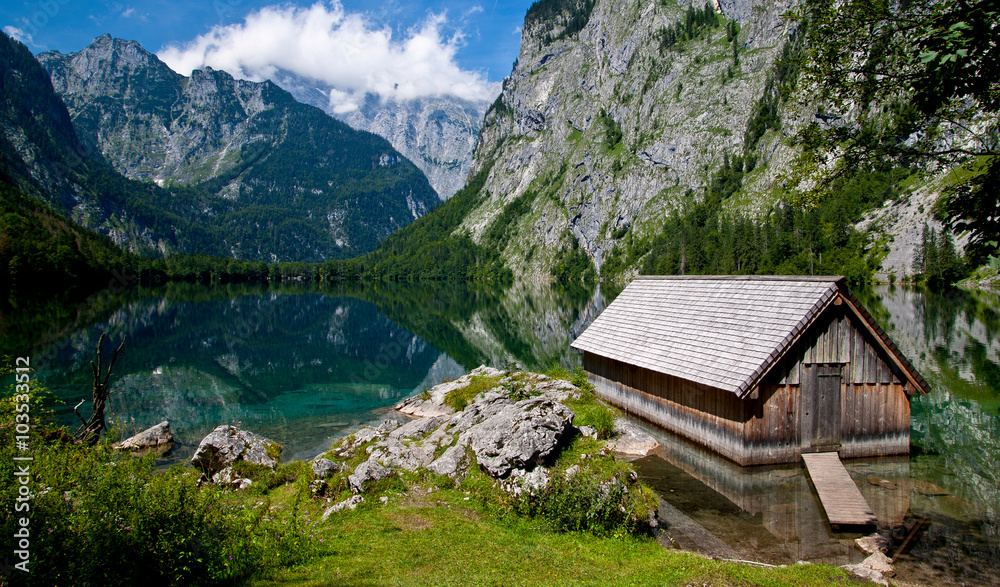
[[416, 428], [522, 482], [881, 563], [392, 452], [387, 426], [158, 437], [519, 435], [228, 444], [229, 477], [440, 437], [348, 504], [588, 431], [631, 440], [866, 573], [557, 389], [419, 408], [486, 406], [366, 473], [365, 435], [872, 544], [452, 462], [323, 468]]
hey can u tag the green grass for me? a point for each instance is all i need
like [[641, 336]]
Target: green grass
[[439, 538], [462, 397]]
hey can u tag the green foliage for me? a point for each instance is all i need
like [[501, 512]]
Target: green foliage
[[463, 396], [909, 71], [430, 249], [821, 240], [42, 251], [936, 260], [497, 236], [612, 130], [107, 519], [972, 207], [572, 15], [777, 89], [602, 497], [573, 265], [693, 26]]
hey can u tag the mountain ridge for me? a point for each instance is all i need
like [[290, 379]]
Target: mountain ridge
[[280, 180]]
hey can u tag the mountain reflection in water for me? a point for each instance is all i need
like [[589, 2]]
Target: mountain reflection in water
[[305, 365]]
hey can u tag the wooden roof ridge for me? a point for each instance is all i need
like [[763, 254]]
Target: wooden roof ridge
[[916, 380], [792, 337], [689, 359], [800, 278]]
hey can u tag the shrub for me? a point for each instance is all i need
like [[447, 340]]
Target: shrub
[[102, 518]]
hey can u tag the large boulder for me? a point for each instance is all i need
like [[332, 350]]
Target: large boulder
[[519, 435], [228, 444], [324, 468], [366, 473], [452, 462], [157, 437]]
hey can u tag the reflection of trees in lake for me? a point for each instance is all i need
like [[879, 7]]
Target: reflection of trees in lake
[[951, 338]]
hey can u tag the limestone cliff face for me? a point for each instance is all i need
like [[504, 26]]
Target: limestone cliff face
[[606, 131], [150, 122]]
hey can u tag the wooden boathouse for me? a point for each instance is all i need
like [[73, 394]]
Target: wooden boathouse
[[758, 369]]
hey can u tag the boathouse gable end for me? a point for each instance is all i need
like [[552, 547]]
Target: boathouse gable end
[[758, 369]]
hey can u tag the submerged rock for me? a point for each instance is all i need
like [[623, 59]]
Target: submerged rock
[[155, 437], [228, 444], [631, 440]]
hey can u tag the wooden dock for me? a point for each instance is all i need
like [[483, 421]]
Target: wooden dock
[[841, 498]]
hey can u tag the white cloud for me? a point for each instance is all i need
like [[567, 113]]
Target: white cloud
[[344, 50], [18, 34], [128, 12]]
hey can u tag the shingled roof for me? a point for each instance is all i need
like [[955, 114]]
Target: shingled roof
[[722, 331]]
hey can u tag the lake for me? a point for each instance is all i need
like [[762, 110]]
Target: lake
[[304, 366]]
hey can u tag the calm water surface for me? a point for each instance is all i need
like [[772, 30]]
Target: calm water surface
[[304, 367]]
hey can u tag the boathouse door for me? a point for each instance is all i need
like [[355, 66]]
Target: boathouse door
[[820, 413]]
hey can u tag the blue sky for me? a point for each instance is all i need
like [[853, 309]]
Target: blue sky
[[475, 39]]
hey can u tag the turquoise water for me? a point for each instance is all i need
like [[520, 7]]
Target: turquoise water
[[304, 366]]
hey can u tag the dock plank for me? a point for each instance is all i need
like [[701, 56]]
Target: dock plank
[[840, 496]]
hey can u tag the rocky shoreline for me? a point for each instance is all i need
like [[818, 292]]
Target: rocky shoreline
[[514, 427]]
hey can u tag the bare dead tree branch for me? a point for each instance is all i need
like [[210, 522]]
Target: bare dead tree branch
[[92, 428]]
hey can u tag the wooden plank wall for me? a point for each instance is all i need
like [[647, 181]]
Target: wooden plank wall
[[708, 416], [875, 410]]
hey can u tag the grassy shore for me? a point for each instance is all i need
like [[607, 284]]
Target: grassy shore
[[444, 537], [98, 516]]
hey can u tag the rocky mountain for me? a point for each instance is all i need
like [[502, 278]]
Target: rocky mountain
[[667, 137], [278, 180], [604, 129], [54, 189], [437, 134]]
